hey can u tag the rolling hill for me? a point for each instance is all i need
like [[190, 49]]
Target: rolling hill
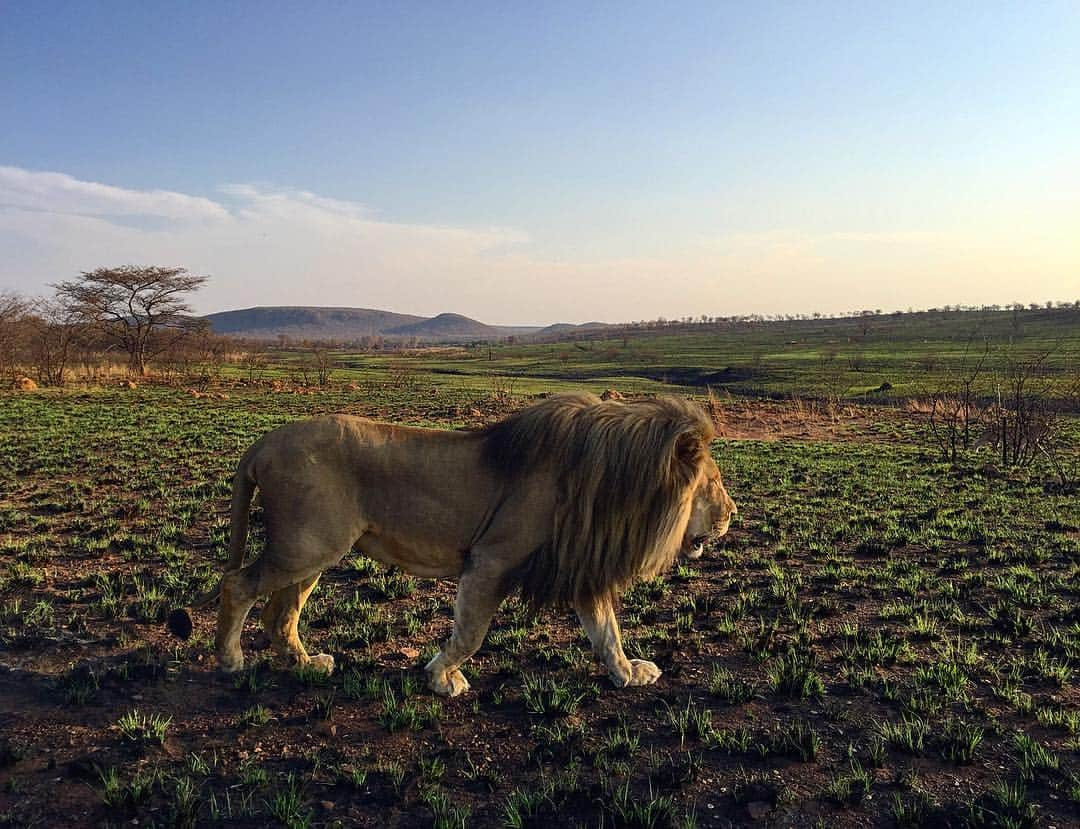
[[447, 326], [315, 323], [301, 322]]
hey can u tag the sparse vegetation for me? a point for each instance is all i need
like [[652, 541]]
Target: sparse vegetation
[[887, 636]]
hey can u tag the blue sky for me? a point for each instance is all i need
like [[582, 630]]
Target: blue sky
[[533, 162]]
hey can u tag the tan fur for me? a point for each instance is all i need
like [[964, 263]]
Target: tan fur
[[569, 500]]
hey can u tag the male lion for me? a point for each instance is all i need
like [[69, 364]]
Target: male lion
[[569, 500]]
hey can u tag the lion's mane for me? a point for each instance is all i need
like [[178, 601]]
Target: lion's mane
[[625, 473]]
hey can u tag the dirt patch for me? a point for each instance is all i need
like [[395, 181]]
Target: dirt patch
[[806, 420]]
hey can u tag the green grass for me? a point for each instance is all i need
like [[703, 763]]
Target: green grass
[[872, 611], [144, 729], [836, 358]]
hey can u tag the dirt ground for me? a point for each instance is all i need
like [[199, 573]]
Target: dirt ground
[[277, 747]]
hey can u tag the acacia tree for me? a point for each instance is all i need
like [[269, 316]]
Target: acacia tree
[[142, 308]]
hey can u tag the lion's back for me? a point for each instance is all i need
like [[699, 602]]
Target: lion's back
[[315, 440]]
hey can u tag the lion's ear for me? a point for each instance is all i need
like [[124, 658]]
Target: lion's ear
[[688, 450]]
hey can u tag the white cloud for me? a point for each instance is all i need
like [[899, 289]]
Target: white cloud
[[265, 245], [60, 193], [262, 245]]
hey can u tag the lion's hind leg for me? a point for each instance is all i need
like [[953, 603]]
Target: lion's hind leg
[[280, 618], [239, 590]]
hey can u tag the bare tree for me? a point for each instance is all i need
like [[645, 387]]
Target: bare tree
[[1023, 423], [324, 364], [253, 360], [956, 413], [55, 332], [141, 308], [13, 310]]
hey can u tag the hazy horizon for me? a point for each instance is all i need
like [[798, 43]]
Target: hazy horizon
[[547, 323], [551, 164]]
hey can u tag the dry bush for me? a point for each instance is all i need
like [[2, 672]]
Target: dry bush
[[715, 410], [14, 334], [1021, 423], [956, 412], [1025, 422]]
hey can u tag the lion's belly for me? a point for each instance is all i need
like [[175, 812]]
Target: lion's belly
[[426, 561]]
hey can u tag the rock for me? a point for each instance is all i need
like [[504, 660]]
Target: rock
[[611, 394], [758, 809], [26, 384]]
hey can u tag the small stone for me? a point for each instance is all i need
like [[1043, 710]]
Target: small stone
[[758, 809], [328, 805]]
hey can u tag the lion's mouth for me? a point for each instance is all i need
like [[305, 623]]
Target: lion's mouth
[[695, 546]]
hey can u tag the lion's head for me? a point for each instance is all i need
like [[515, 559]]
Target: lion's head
[[637, 485], [710, 515]]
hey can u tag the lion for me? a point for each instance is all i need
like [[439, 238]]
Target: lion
[[568, 501]]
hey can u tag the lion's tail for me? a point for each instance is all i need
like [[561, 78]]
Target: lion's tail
[[243, 490]]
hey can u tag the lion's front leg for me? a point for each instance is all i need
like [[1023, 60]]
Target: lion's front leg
[[478, 597], [603, 630]]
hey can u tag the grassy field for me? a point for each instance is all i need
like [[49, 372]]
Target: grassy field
[[881, 640], [878, 358]]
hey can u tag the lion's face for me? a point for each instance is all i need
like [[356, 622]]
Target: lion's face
[[711, 513]]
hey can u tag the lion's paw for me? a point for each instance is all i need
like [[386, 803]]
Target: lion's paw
[[448, 683], [642, 672], [230, 661], [322, 662]]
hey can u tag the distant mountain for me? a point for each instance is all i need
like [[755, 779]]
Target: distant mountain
[[562, 328], [300, 322], [446, 326], [313, 323]]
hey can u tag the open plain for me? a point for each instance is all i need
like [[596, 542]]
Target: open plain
[[884, 638]]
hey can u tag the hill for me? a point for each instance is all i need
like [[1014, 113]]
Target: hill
[[352, 324], [446, 326], [563, 329], [312, 323]]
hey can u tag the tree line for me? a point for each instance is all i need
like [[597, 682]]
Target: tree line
[[132, 313]]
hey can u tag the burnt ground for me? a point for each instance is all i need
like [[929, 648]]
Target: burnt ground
[[881, 640]]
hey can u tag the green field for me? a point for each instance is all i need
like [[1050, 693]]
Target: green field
[[882, 639], [914, 354]]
